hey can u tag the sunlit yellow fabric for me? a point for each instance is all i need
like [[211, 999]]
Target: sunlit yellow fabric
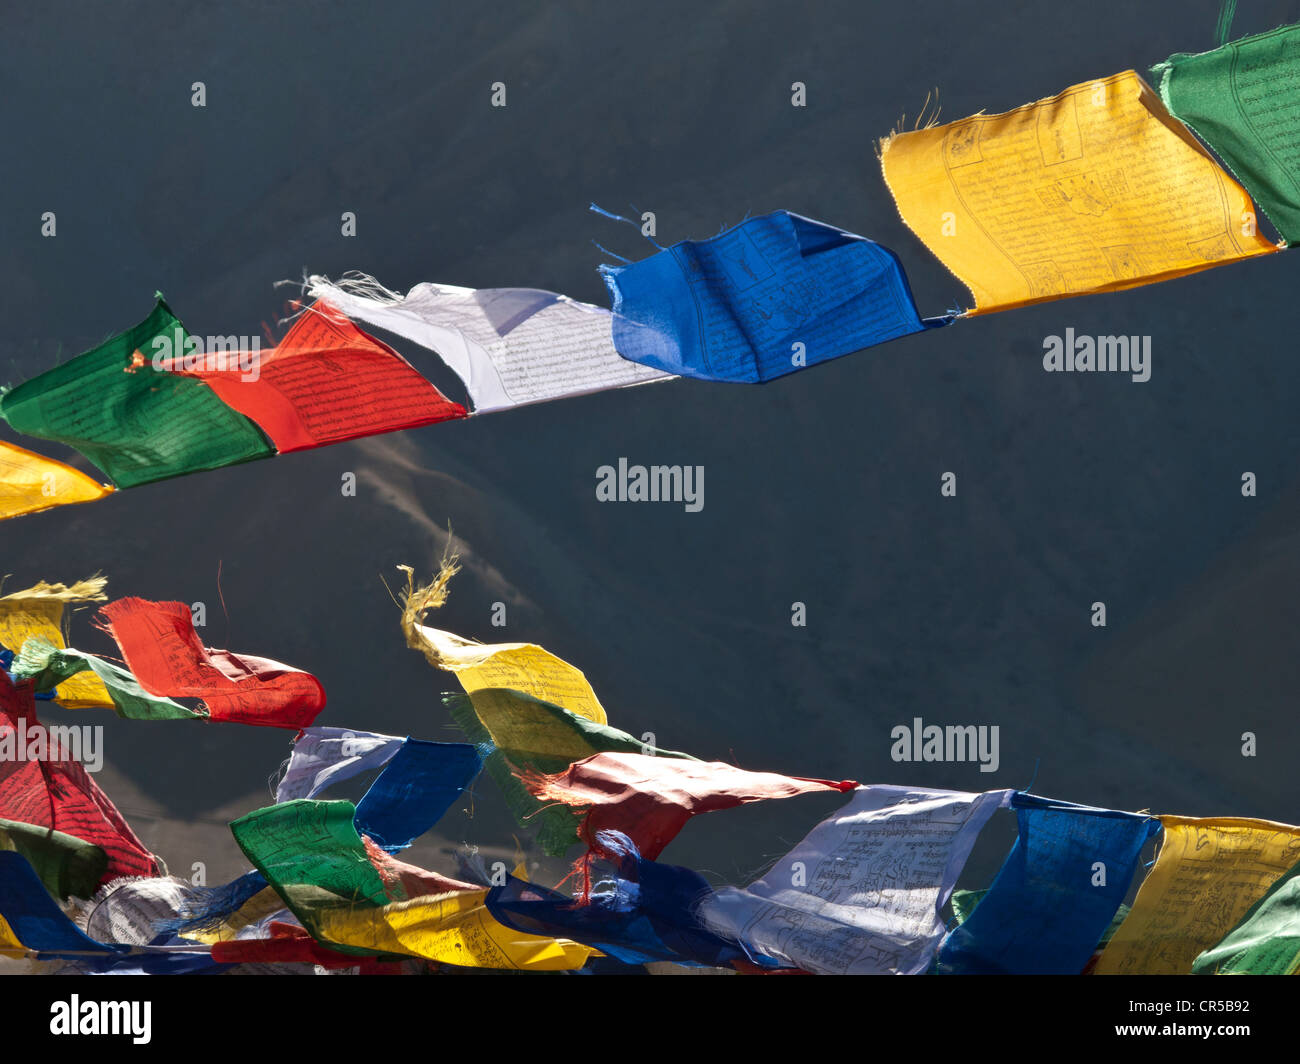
[[1207, 874], [1095, 190], [30, 483], [9, 944], [38, 611], [450, 928], [518, 667]]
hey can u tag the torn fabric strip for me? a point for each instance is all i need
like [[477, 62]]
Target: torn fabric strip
[[650, 799], [135, 422], [48, 787], [511, 346], [325, 382], [1055, 895], [30, 483], [772, 295], [862, 893], [1095, 190], [1208, 873], [164, 653], [1243, 100], [515, 731]]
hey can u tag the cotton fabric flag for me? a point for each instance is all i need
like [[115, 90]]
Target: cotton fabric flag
[[650, 799], [639, 911], [30, 483], [1243, 100], [42, 784], [325, 756], [510, 666], [510, 346], [65, 865], [38, 612], [136, 422], [1207, 875], [138, 912], [862, 893], [325, 382], [515, 731], [761, 300], [414, 790], [1095, 190], [50, 668], [311, 853], [163, 651], [1266, 941], [1049, 906]]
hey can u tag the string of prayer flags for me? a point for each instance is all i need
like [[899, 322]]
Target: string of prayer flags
[[135, 421], [324, 756], [765, 298], [861, 893], [515, 731], [163, 651], [311, 853], [1241, 99], [639, 912], [67, 866], [38, 612], [1055, 895], [414, 790], [49, 668], [43, 783], [31, 483], [1097, 189], [1207, 875], [512, 666], [325, 382], [1266, 941], [510, 346], [138, 912], [650, 799]]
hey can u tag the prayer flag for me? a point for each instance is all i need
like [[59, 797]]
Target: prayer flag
[[30, 483]]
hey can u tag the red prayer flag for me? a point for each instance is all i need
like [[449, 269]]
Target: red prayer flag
[[161, 648], [290, 944], [325, 382], [650, 799], [41, 783]]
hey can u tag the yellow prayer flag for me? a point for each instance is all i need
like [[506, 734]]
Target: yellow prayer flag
[[450, 928], [10, 946], [1095, 190], [262, 904], [1207, 874], [30, 483], [517, 667], [38, 611]]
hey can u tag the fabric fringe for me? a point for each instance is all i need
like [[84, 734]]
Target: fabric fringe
[[352, 283], [416, 601], [89, 590], [922, 122]]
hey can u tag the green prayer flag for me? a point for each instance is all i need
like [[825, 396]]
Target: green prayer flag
[[514, 730], [67, 866], [138, 423], [1266, 941], [1243, 100], [310, 852], [49, 666]]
